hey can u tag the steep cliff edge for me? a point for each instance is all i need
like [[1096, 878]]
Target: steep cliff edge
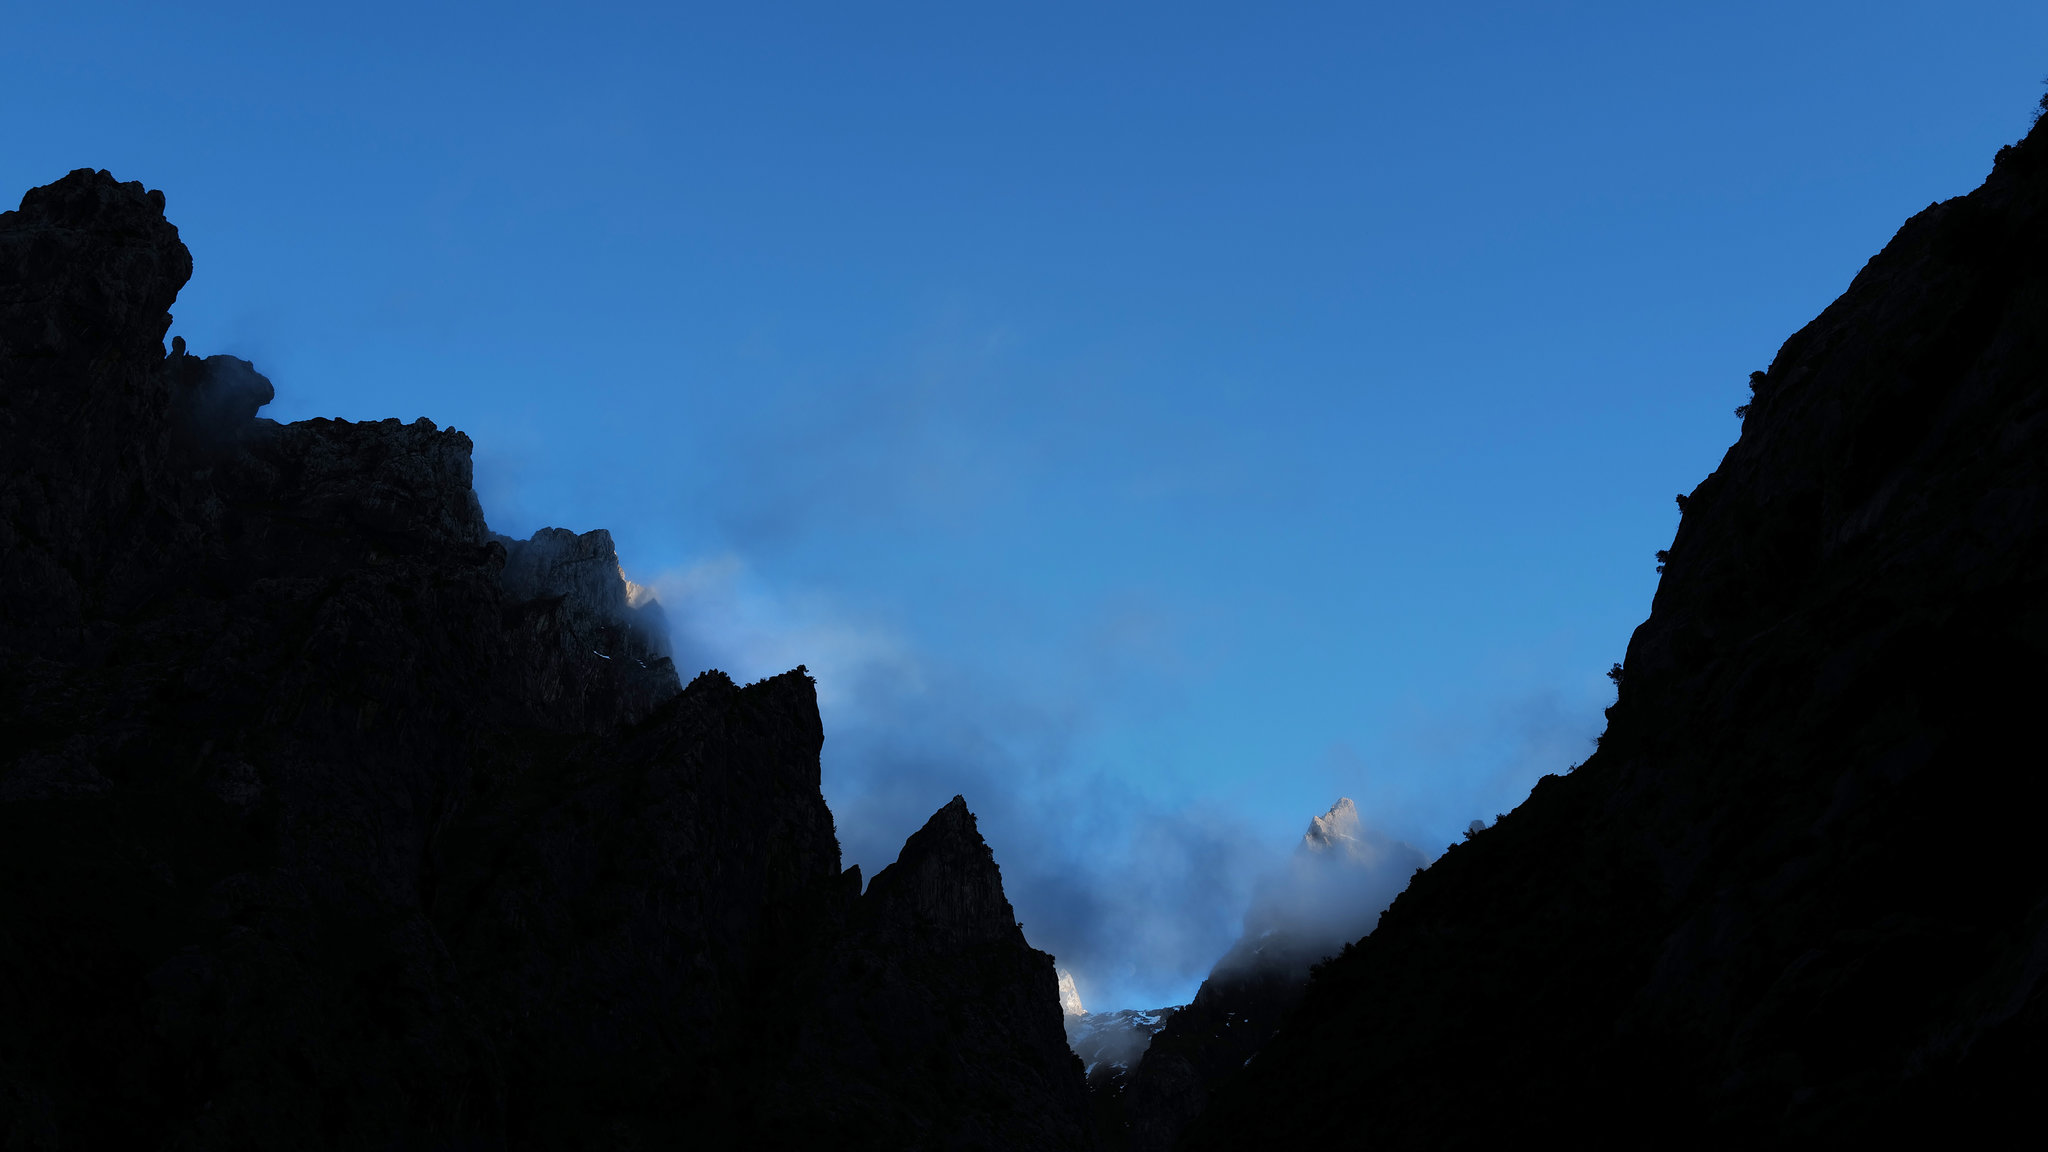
[[1793, 896], [330, 819]]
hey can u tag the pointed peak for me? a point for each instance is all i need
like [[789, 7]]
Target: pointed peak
[[1070, 996], [946, 878], [951, 829], [1332, 828], [953, 822]]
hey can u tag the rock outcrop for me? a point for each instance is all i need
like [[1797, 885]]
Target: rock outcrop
[[574, 600], [1793, 896], [932, 1016], [330, 819]]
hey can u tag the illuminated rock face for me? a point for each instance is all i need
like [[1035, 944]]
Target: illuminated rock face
[[1786, 901], [329, 818], [1337, 830], [1070, 996], [611, 654]]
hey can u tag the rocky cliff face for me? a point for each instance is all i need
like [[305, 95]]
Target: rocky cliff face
[[1793, 896], [573, 601], [328, 818]]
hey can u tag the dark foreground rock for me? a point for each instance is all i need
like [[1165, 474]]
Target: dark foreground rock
[[1795, 896], [330, 819]]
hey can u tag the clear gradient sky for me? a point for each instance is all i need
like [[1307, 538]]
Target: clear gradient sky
[[1151, 421]]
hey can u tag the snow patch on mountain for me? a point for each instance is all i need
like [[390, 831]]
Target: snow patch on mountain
[[1115, 1039]]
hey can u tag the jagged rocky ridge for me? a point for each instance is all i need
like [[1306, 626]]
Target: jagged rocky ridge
[[329, 819], [1795, 896]]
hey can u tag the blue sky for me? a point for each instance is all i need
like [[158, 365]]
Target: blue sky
[[1152, 422]]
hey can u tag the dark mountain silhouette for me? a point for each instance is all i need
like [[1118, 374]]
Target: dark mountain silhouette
[[1796, 895], [329, 819]]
